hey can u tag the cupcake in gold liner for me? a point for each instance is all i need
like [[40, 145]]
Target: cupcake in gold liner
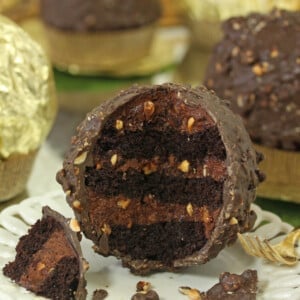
[[204, 17], [257, 67], [92, 36], [27, 106], [19, 10]]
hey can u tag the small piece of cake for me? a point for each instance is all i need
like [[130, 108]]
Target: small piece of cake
[[49, 260], [161, 177], [257, 67]]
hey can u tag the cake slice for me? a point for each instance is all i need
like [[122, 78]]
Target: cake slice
[[49, 260], [161, 177]]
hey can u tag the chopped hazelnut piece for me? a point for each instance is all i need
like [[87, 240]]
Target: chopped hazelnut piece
[[106, 229], [274, 53], [76, 204], [74, 225], [257, 70], [184, 166], [123, 203], [233, 221], [190, 123], [143, 286], [298, 60], [40, 266], [193, 294], [204, 171], [114, 159], [149, 109], [80, 159], [119, 124], [218, 67], [236, 26], [189, 209], [150, 168], [235, 51]]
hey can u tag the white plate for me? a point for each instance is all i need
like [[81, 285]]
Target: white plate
[[275, 282]]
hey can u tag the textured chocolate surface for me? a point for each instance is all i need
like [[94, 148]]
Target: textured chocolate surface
[[49, 260], [257, 67], [93, 15], [233, 287], [103, 216]]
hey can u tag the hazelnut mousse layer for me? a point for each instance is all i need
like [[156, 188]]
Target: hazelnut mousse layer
[[161, 177]]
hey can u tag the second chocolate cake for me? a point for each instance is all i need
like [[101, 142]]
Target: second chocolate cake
[[161, 177]]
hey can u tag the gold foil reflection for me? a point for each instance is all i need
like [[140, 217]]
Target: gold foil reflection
[[27, 101]]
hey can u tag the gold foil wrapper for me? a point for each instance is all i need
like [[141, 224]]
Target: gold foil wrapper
[[8, 4], [27, 96]]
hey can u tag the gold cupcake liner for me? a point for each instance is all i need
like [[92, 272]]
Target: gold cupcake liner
[[95, 52], [14, 174], [282, 169], [172, 13]]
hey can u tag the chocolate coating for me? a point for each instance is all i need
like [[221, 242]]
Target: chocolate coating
[[238, 189], [257, 67], [93, 15]]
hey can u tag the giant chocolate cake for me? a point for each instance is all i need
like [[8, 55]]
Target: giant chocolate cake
[[161, 177], [49, 260]]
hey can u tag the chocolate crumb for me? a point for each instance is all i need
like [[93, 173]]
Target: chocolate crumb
[[99, 294]]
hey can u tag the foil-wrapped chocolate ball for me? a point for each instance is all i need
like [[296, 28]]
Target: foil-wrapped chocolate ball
[[27, 105]]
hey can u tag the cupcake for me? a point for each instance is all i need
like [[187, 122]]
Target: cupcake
[[27, 106], [161, 177], [90, 36], [204, 17], [19, 10], [257, 67]]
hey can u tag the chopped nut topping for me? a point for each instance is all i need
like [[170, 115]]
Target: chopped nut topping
[[236, 26], [233, 221], [189, 209], [80, 159], [106, 229], [40, 266], [210, 83], [184, 166], [150, 168], [204, 171], [190, 123], [74, 225], [98, 166], [129, 225], [149, 109], [240, 100], [68, 192], [114, 159], [76, 204], [257, 70], [235, 51], [218, 67], [274, 53], [298, 60], [123, 203], [143, 286], [193, 294], [86, 265], [119, 124]]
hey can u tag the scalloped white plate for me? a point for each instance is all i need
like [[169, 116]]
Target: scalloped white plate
[[275, 282]]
